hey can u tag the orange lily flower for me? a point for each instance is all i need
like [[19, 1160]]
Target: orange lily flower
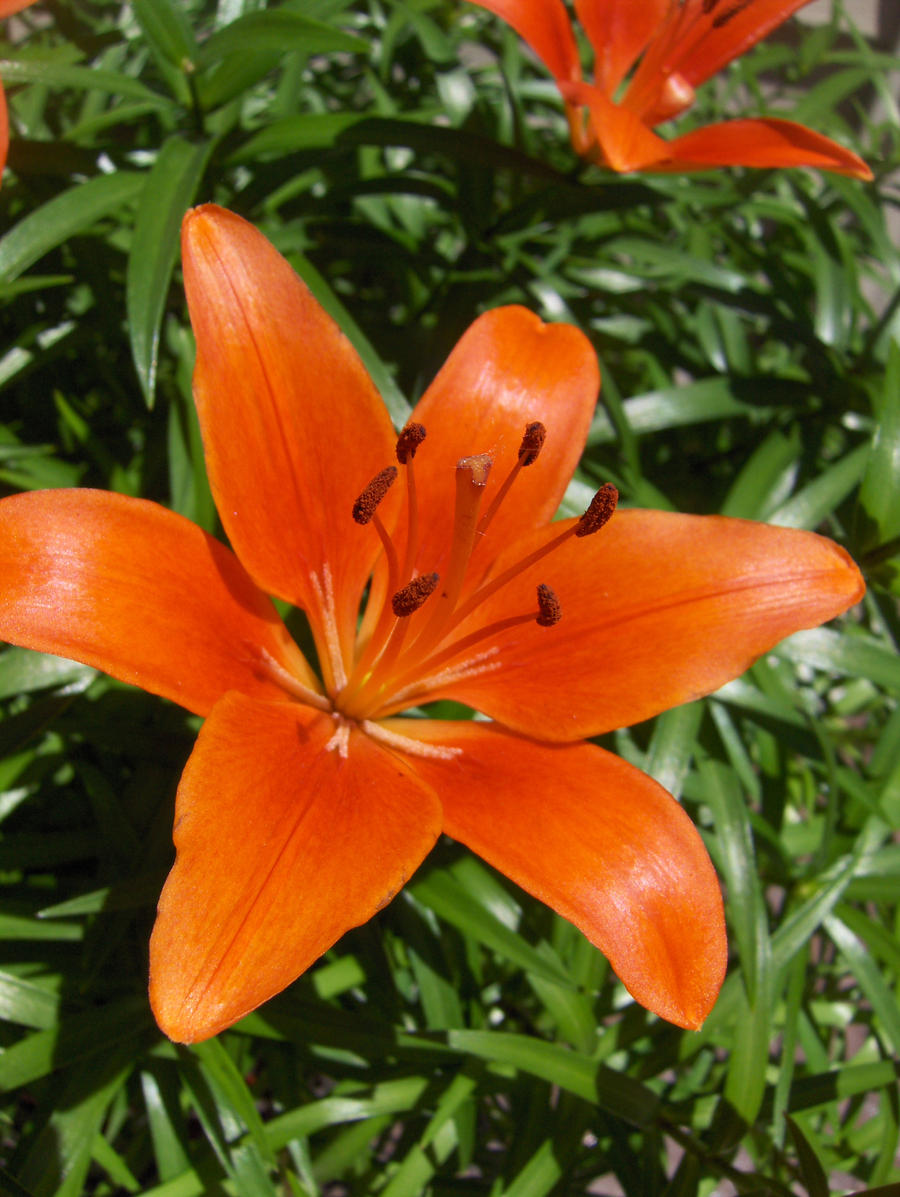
[[427, 568], [7, 8], [669, 47]]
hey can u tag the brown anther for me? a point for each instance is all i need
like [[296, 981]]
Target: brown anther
[[408, 441], [413, 595], [549, 610], [600, 511], [365, 506], [532, 443]]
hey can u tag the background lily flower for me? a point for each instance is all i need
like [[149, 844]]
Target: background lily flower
[[7, 8], [427, 568], [649, 58]]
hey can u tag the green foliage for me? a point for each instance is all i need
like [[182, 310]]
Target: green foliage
[[412, 161]]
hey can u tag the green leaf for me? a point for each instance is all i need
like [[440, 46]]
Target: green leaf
[[386, 1097], [879, 494], [61, 1154], [449, 901], [79, 1038], [435, 1144], [166, 28], [846, 655], [672, 746], [25, 1003], [746, 1081], [24, 671], [71, 212], [811, 1171], [869, 978], [232, 1095], [81, 78], [674, 407], [816, 501], [766, 479], [579, 1074], [289, 134], [169, 190], [277, 31]]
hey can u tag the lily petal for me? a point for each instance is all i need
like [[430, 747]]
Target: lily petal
[[8, 7], [141, 593], [657, 609], [599, 842], [623, 140], [507, 370], [761, 142], [618, 31], [545, 26], [283, 845], [694, 40], [731, 30], [293, 427]]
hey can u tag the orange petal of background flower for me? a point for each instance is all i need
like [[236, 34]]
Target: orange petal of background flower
[[761, 142], [282, 847], [545, 26], [728, 38], [599, 842], [618, 30], [293, 427], [625, 142], [508, 369], [657, 609], [8, 7], [141, 593]]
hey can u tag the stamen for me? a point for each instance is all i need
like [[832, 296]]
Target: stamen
[[408, 441], [407, 444], [411, 597], [340, 739], [367, 503], [333, 656], [417, 677], [364, 512], [408, 696], [439, 752], [532, 443], [600, 511], [288, 682], [550, 611]]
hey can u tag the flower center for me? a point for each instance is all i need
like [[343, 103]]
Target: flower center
[[410, 641], [661, 86]]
